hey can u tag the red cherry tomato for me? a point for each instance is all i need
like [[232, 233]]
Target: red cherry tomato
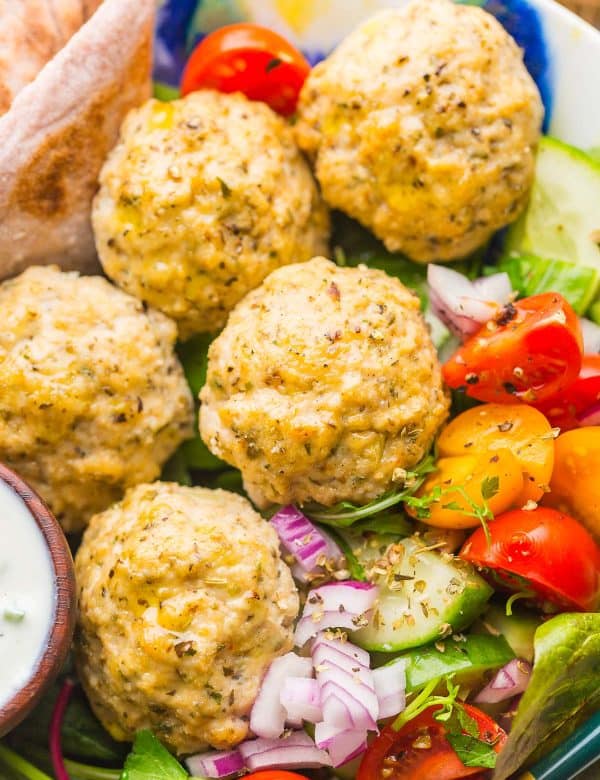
[[420, 750], [542, 551], [276, 774], [250, 59], [531, 352], [564, 410]]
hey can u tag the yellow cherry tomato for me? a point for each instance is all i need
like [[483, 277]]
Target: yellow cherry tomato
[[517, 427], [575, 483], [495, 474]]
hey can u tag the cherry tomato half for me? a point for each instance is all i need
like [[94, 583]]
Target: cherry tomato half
[[251, 59], [420, 750], [531, 352], [542, 551], [276, 774], [564, 410]]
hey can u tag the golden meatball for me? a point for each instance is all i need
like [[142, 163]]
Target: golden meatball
[[93, 397], [322, 384], [201, 199], [422, 125], [184, 602]]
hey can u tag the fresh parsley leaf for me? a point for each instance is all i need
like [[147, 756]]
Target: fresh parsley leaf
[[225, 188], [454, 505], [490, 487], [149, 760], [272, 64], [473, 751]]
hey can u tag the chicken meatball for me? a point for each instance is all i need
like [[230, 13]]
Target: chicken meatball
[[184, 601], [322, 385], [201, 199], [423, 125], [93, 397]]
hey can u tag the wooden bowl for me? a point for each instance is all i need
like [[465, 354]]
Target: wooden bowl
[[60, 635]]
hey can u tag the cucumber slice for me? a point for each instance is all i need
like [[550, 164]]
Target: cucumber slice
[[562, 219], [470, 661], [436, 594], [518, 629]]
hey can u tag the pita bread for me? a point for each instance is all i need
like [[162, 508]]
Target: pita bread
[[60, 128]]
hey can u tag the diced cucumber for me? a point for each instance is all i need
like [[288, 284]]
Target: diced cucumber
[[531, 275], [469, 660], [562, 219], [518, 629], [431, 595]]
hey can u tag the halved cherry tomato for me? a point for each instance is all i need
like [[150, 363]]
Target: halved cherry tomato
[[276, 774], [420, 750], [575, 484], [251, 59], [541, 551], [565, 409], [516, 427], [470, 472], [531, 352]]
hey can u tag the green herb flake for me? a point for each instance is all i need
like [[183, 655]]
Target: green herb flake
[[272, 64], [490, 487], [225, 188]]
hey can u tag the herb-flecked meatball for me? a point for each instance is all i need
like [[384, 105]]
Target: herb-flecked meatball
[[323, 383], [423, 125], [184, 601], [201, 199], [93, 397]]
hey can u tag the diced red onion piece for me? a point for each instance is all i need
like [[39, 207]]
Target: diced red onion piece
[[354, 714], [348, 596], [296, 751], [322, 645], [301, 699], [342, 745], [590, 416], [267, 718], [337, 605], [390, 685], [462, 305], [215, 763], [303, 539], [359, 683], [512, 679], [591, 336]]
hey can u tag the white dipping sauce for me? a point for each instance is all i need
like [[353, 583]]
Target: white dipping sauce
[[27, 593]]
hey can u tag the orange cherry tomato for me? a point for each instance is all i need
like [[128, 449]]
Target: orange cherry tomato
[[575, 483], [541, 551], [530, 352], [470, 472], [251, 59], [567, 410], [519, 428], [420, 750]]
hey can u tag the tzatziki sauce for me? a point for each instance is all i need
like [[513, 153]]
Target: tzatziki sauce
[[27, 593]]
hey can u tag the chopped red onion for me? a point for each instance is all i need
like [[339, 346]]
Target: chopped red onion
[[337, 605], [301, 699], [296, 751], [215, 763], [590, 416], [357, 680], [343, 745], [512, 679], [324, 649], [343, 710], [302, 539], [462, 305], [591, 336], [268, 716], [390, 685]]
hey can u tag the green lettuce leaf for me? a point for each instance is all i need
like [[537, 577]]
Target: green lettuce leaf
[[563, 690], [149, 760]]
